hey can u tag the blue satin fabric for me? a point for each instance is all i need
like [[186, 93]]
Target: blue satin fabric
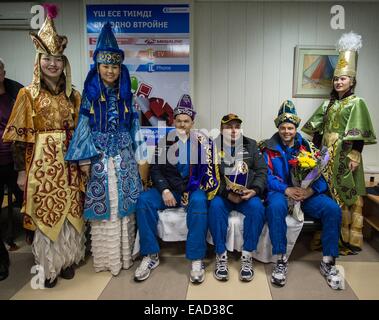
[[117, 135], [119, 147]]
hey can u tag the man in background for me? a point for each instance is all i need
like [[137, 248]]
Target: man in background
[[8, 176]]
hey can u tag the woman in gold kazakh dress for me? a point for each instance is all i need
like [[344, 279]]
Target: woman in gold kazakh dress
[[41, 124], [343, 124]]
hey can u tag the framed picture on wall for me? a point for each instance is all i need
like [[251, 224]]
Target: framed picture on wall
[[313, 71]]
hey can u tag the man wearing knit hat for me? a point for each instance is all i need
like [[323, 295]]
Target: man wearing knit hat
[[281, 148], [178, 180]]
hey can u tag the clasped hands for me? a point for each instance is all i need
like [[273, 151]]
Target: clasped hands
[[237, 198], [299, 194]]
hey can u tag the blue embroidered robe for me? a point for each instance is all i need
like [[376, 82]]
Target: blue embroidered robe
[[109, 129]]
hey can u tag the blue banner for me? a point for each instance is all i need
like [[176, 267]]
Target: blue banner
[[139, 18], [155, 40]]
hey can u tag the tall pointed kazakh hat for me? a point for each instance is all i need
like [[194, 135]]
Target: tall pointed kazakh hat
[[47, 41], [185, 106], [348, 47], [287, 113], [107, 50]]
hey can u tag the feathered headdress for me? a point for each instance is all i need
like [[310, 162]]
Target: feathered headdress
[[348, 46]]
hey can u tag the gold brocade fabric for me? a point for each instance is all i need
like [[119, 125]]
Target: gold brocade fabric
[[52, 193], [49, 197], [331, 142]]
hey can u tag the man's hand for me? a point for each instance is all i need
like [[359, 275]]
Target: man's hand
[[248, 193], [21, 180], [295, 193], [168, 198], [308, 192], [353, 165], [235, 198]]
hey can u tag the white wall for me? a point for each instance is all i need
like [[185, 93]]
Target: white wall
[[18, 51], [244, 52], [242, 56]]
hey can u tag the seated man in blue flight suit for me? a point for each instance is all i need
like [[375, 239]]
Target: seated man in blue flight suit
[[282, 147], [181, 175], [242, 183]]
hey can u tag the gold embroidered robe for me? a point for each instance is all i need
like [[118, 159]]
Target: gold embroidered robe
[[52, 192]]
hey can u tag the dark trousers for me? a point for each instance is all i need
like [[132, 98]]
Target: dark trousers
[[8, 178], [4, 256]]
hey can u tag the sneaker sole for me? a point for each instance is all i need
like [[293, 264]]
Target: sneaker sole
[[246, 279], [148, 275], [195, 281], [278, 283], [224, 279]]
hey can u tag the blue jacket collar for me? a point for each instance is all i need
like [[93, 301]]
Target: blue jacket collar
[[275, 143]]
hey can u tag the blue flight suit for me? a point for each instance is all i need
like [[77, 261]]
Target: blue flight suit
[[318, 206]]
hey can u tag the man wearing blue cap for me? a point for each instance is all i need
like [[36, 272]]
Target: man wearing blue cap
[[182, 174], [281, 148]]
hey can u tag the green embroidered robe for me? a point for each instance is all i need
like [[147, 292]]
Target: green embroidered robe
[[347, 120]]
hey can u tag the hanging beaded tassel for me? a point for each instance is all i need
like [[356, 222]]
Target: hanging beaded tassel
[[91, 111]]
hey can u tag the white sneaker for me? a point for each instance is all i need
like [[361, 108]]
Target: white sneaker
[[279, 273], [148, 263], [332, 275], [197, 274]]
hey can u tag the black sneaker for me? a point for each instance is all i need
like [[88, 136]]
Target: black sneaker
[[246, 271], [221, 271], [68, 273], [279, 273], [50, 284]]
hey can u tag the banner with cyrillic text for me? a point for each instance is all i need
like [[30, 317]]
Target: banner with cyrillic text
[[156, 43]]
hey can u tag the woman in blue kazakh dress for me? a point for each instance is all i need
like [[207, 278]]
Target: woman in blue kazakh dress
[[109, 146]]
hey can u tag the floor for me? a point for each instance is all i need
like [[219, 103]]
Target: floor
[[170, 280]]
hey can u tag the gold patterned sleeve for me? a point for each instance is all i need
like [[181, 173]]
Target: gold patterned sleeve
[[20, 125]]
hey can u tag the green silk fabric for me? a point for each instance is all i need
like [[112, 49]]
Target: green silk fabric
[[347, 120]]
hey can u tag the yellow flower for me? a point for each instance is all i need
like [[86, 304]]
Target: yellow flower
[[304, 164], [312, 163]]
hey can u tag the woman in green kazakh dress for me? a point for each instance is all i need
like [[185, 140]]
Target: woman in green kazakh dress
[[343, 125]]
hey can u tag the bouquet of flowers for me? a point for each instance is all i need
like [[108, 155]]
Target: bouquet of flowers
[[306, 168]]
